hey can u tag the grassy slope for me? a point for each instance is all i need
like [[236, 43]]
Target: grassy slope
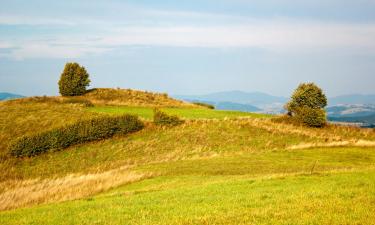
[[344, 198], [207, 171], [193, 113], [128, 97], [20, 117]]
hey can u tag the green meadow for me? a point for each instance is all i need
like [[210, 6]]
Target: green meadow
[[186, 113], [219, 167]]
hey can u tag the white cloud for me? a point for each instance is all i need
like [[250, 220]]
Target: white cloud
[[262, 34], [274, 35], [12, 19]]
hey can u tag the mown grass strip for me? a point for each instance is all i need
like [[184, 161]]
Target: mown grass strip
[[186, 113]]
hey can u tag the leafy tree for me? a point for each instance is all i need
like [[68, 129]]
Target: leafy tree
[[309, 95], [307, 105], [74, 80], [311, 117]]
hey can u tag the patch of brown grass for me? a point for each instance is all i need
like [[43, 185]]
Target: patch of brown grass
[[21, 193], [354, 143], [27, 116], [128, 97]]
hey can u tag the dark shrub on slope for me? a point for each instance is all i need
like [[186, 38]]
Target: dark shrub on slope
[[163, 119], [80, 132]]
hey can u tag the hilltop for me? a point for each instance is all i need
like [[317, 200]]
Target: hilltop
[[128, 97], [219, 167]]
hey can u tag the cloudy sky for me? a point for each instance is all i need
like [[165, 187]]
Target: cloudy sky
[[190, 47]]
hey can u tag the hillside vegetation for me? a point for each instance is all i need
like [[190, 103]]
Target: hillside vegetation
[[218, 167], [128, 97]]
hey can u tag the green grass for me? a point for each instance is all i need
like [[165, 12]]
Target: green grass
[[153, 144], [275, 162], [186, 113], [229, 170], [344, 198]]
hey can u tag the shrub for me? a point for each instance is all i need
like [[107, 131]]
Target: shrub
[[82, 131], [311, 117], [307, 105], [74, 80], [307, 95], [163, 119], [209, 106]]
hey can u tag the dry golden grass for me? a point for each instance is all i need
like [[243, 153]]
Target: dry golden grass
[[128, 97], [30, 115], [329, 133], [20, 193], [355, 143]]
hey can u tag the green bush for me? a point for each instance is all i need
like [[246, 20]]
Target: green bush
[[311, 117], [163, 119], [80, 132], [307, 105], [307, 95], [74, 80], [209, 106]]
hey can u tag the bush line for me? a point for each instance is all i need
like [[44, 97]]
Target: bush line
[[80, 132]]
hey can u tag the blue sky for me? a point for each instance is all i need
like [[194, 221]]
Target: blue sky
[[190, 47]]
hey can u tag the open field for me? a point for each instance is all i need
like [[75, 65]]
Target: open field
[[219, 167], [331, 198], [186, 113]]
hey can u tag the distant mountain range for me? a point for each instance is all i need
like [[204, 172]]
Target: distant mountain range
[[251, 98], [349, 108], [236, 107], [259, 99], [6, 96], [240, 101], [352, 99]]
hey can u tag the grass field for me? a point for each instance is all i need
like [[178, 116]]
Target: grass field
[[219, 167], [186, 113], [333, 198]]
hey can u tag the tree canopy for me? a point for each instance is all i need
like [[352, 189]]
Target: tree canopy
[[74, 80], [307, 105]]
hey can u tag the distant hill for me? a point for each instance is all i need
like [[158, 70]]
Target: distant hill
[[6, 96], [369, 119], [236, 107], [356, 110], [257, 99], [352, 99], [240, 101], [339, 106], [357, 113]]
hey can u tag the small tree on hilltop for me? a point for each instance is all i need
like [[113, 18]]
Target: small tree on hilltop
[[307, 105], [74, 80]]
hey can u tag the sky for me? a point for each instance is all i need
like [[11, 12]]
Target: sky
[[190, 47]]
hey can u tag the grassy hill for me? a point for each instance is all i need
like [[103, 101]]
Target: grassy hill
[[219, 167], [128, 97]]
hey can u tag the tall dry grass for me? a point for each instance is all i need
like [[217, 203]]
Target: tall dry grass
[[128, 97], [21, 193], [27, 116]]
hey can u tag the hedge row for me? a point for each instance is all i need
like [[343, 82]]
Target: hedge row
[[82, 131]]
